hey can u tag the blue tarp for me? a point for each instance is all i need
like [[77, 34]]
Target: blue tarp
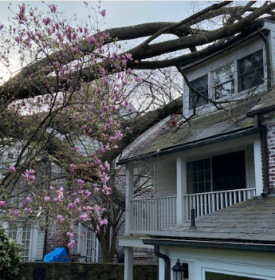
[[54, 256]]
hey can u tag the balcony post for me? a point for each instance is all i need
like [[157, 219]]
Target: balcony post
[[129, 197], [258, 166], [181, 190]]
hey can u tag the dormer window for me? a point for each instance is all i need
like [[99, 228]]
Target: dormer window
[[201, 85], [223, 81], [250, 71], [241, 74]]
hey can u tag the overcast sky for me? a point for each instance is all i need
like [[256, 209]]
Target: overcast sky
[[119, 13]]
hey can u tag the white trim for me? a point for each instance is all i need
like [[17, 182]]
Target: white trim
[[129, 197], [124, 241], [128, 263], [181, 189], [258, 165]]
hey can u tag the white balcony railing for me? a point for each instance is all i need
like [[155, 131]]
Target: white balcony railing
[[153, 214], [209, 202]]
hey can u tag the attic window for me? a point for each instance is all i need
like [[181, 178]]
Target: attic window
[[201, 85], [250, 71], [223, 81]]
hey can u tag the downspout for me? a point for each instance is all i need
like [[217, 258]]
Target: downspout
[[167, 262], [263, 141], [268, 60]]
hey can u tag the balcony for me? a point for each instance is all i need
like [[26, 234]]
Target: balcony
[[152, 215]]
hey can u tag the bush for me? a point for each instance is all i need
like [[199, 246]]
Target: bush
[[10, 255]]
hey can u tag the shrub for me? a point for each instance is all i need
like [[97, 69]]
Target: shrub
[[10, 255]]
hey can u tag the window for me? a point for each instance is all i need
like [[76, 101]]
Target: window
[[223, 81], [92, 247], [224, 172], [239, 75], [22, 236], [10, 155], [220, 276], [228, 171], [250, 71], [201, 85], [198, 176]]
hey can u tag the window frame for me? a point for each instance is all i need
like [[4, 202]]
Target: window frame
[[247, 176], [233, 272], [19, 237]]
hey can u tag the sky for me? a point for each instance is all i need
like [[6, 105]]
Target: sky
[[119, 13]]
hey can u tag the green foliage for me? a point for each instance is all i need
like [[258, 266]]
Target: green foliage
[[10, 255]]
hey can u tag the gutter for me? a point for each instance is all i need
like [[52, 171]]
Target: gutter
[[252, 247], [167, 262], [191, 145]]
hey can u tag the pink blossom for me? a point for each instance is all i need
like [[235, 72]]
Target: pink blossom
[[71, 206], [103, 13], [1, 26], [60, 218], [53, 8], [12, 169], [138, 79], [57, 199], [71, 228], [27, 210], [47, 20], [47, 198], [28, 199], [83, 217], [51, 188], [69, 234], [103, 222], [2, 203], [71, 244], [72, 167]]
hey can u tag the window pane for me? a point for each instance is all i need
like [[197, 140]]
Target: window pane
[[223, 74], [224, 90], [201, 85], [250, 71], [227, 170], [198, 176], [220, 276]]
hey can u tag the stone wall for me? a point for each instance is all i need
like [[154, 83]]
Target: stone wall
[[80, 271]]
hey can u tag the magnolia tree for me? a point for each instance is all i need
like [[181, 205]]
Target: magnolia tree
[[41, 124]]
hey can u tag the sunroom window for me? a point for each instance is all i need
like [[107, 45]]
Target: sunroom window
[[201, 85], [250, 71], [223, 81], [219, 173]]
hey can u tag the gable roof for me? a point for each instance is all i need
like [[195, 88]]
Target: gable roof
[[249, 221], [206, 129]]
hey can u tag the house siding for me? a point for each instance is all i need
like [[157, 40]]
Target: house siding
[[165, 179]]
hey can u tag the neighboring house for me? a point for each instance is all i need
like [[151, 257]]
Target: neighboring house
[[222, 165], [38, 240]]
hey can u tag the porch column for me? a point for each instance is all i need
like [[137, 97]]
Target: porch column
[[258, 166], [129, 197], [181, 189], [128, 263]]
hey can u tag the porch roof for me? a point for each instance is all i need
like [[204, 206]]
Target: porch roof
[[251, 221], [215, 125]]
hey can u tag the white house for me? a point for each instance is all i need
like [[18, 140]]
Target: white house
[[222, 166], [38, 240]]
